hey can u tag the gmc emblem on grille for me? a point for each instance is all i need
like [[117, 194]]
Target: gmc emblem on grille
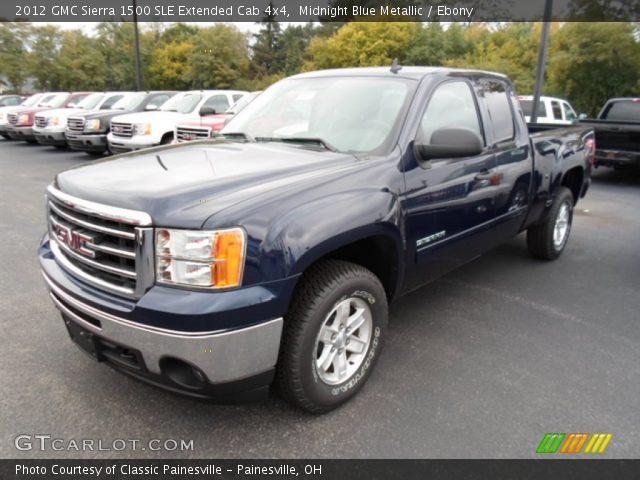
[[117, 129], [75, 240]]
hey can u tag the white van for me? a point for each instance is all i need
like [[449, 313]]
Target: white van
[[550, 110], [145, 129]]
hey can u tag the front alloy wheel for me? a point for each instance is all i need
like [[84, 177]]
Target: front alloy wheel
[[332, 335]]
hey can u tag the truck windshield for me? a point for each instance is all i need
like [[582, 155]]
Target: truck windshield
[[623, 111], [32, 100], [90, 102], [57, 100], [182, 103], [129, 102], [350, 114]]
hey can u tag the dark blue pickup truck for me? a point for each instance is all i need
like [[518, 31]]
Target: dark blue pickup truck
[[269, 255]]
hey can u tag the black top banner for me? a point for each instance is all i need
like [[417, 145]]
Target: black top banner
[[315, 10]]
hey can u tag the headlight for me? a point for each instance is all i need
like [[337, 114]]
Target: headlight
[[24, 118], [142, 129], [92, 124], [53, 121], [2, 117], [212, 259]]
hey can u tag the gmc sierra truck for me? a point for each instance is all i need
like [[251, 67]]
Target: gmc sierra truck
[[87, 132], [617, 131], [215, 268]]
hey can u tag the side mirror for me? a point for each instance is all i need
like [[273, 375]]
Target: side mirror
[[204, 111], [151, 108], [451, 142], [582, 116]]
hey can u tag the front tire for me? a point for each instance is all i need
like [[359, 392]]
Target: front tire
[[332, 335], [548, 239]]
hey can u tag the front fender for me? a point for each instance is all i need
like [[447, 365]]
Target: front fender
[[313, 230]]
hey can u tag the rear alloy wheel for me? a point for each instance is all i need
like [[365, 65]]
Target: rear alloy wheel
[[332, 335], [548, 239]]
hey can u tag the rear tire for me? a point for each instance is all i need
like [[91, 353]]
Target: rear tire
[[332, 335], [548, 239]]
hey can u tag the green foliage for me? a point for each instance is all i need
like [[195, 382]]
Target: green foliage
[[362, 44], [590, 62], [13, 37], [220, 57], [587, 62]]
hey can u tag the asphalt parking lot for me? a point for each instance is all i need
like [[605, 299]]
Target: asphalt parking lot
[[481, 363]]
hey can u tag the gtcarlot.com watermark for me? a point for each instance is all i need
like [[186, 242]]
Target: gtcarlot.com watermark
[[43, 443]]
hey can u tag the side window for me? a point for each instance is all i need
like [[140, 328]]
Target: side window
[[498, 105], [158, 100], [569, 114], [219, 103], [451, 105], [557, 112], [110, 101], [237, 96]]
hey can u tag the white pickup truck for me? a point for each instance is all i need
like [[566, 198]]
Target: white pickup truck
[[146, 129], [49, 126], [551, 110]]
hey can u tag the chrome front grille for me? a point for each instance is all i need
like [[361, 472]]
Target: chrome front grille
[[107, 247], [184, 134], [122, 129], [75, 124], [12, 118], [41, 121]]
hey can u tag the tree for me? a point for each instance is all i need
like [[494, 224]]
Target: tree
[[43, 57], [220, 57], [591, 62], [433, 45], [81, 63], [360, 44], [293, 46], [14, 37], [266, 57], [511, 49], [170, 68]]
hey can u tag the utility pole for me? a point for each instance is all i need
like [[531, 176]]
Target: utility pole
[[542, 59], [136, 36]]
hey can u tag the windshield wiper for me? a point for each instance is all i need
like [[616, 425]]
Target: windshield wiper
[[304, 140], [245, 136]]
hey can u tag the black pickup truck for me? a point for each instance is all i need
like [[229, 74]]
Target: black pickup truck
[[214, 268], [617, 130]]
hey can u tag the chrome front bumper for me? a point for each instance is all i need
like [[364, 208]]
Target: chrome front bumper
[[223, 356]]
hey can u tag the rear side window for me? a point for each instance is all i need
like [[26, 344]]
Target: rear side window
[[219, 103], [497, 98], [557, 111], [451, 105], [624, 111], [527, 108], [237, 96]]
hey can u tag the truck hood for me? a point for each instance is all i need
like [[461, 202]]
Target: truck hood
[[183, 185], [157, 117], [63, 113]]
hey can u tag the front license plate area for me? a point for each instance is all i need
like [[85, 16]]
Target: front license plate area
[[83, 338]]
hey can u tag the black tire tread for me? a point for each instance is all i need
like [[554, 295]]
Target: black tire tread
[[317, 283]]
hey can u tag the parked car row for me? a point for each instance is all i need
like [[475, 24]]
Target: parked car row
[[117, 122]]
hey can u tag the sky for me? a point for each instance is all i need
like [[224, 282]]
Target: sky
[[89, 27]]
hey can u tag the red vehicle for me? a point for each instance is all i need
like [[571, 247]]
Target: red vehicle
[[209, 125], [20, 125]]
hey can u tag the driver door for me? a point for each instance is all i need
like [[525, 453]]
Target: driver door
[[450, 202]]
